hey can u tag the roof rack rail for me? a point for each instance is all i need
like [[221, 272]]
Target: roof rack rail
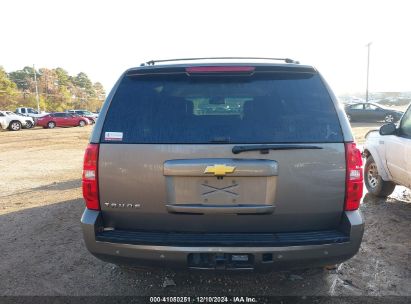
[[153, 62]]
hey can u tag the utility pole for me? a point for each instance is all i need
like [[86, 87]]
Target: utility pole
[[368, 69], [37, 90]]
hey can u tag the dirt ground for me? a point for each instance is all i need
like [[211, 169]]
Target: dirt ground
[[42, 250]]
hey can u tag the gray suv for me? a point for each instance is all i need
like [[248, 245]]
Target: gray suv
[[222, 164]]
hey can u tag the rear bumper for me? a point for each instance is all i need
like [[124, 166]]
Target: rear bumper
[[282, 256]]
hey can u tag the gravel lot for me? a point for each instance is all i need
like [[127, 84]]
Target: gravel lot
[[43, 252]]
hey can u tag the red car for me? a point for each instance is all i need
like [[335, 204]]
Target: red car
[[62, 120]]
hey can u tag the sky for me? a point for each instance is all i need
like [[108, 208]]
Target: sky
[[104, 38]]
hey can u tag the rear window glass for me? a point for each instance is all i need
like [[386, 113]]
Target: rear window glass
[[264, 108]]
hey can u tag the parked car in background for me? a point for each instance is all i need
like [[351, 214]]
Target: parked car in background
[[29, 112], [174, 177], [388, 153], [14, 122], [367, 111], [3, 122], [62, 119], [90, 115], [30, 121]]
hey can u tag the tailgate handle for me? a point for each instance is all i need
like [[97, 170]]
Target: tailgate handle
[[224, 209], [198, 166]]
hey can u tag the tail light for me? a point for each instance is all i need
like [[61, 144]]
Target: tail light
[[354, 177], [220, 69], [90, 177]]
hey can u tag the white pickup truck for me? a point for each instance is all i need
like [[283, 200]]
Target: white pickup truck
[[29, 112], [388, 153]]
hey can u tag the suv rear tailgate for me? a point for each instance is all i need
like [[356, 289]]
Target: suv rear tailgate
[[171, 165], [136, 189]]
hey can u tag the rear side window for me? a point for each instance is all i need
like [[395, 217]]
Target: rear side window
[[264, 108]]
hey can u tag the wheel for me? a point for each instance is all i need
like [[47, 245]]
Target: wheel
[[15, 126], [373, 181], [29, 124], [82, 123], [51, 125], [389, 118]]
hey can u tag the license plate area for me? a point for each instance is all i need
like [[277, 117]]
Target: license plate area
[[223, 191], [250, 181], [221, 261]]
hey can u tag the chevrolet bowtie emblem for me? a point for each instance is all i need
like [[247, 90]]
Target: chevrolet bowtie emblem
[[219, 170]]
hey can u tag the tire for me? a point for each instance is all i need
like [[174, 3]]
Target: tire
[[373, 181], [29, 124], [81, 123], [51, 125], [389, 118], [15, 125]]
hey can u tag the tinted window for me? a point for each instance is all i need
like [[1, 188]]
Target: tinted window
[[266, 108], [59, 115], [405, 127], [371, 107], [357, 107]]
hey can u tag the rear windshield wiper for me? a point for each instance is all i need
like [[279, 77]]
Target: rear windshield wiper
[[265, 148]]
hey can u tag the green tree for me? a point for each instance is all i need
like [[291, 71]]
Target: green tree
[[82, 81], [8, 91], [58, 91], [63, 77], [24, 78]]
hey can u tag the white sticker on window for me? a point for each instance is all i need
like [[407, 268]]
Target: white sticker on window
[[113, 136]]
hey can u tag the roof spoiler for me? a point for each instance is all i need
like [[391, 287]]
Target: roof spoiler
[[153, 62]]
